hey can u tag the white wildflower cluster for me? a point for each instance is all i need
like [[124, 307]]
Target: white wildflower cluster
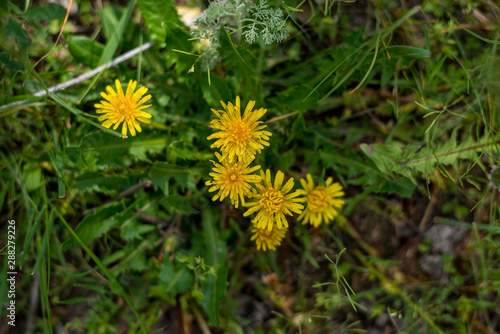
[[268, 23], [255, 21]]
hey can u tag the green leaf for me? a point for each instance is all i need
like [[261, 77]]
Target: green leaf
[[386, 159], [85, 50], [238, 58], [157, 15], [394, 159], [177, 38], [216, 91], [402, 186], [132, 230], [75, 300], [47, 12], [294, 97], [175, 279], [115, 30], [214, 290], [32, 175], [11, 65], [98, 181], [163, 172], [298, 128], [216, 249], [113, 283], [183, 150], [14, 29], [99, 148], [95, 225], [402, 51], [178, 203]]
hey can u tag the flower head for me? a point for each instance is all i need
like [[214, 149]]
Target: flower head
[[266, 239], [231, 178], [127, 108], [239, 135], [272, 202], [323, 203]]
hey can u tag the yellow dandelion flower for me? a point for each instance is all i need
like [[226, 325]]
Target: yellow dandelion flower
[[239, 135], [265, 239], [323, 203], [272, 202], [127, 108], [231, 179]]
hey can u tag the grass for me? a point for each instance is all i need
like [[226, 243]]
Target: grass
[[397, 102]]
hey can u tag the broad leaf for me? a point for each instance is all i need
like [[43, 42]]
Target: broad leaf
[[178, 203], [163, 172], [14, 29], [214, 290], [95, 225], [47, 12], [99, 181], [11, 65], [86, 50], [175, 278], [158, 14], [294, 96]]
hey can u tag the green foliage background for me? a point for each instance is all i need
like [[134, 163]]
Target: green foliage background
[[397, 101]]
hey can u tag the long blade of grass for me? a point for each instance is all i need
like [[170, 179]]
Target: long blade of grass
[[80, 114], [113, 282], [112, 45], [371, 66]]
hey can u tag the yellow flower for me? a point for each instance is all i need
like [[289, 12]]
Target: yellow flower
[[239, 135], [266, 239], [323, 203], [126, 108], [273, 203], [231, 179]]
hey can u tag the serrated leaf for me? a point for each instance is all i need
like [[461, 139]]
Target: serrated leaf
[[14, 29], [11, 65], [93, 226], [394, 159], [157, 14], [86, 50], [163, 172], [133, 230], [183, 152], [47, 12], [102, 147], [402, 186], [175, 279], [178, 203], [386, 158]]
